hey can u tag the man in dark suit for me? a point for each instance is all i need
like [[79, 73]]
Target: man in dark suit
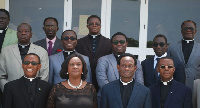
[[125, 92], [51, 43], [94, 45], [151, 76], [28, 91], [69, 42], [106, 70], [169, 93], [187, 51]]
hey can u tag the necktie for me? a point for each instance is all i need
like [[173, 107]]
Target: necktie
[[157, 74], [50, 48]]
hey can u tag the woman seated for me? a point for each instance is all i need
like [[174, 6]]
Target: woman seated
[[75, 92]]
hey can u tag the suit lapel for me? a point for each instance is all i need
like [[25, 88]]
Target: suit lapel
[[24, 91], [194, 50], [56, 45], [134, 94], [117, 92], [171, 93], [113, 62], [16, 52], [180, 52], [60, 57]]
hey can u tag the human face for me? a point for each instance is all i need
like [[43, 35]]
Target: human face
[[94, 26], [24, 34], [50, 28], [160, 50], [166, 74], [4, 20], [75, 68], [69, 45], [119, 48], [187, 33], [30, 70], [126, 68]]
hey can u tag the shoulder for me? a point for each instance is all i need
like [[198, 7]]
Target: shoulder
[[40, 41], [37, 47], [181, 86], [10, 30], [106, 57], [142, 87], [148, 60], [83, 38], [110, 85], [13, 84], [55, 56]]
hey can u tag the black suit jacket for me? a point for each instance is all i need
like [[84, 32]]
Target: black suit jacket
[[179, 96], [15, 94], [84, 47], [57, 45], [149, 71]]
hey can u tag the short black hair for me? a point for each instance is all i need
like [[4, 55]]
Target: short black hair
[[25, 24], [165, 58], [34, 55], [6, 12], [160, 35], [93, 16], [124, 55], [50, 18], [68, 30], [118, 33], [64, 67], [188, 21]]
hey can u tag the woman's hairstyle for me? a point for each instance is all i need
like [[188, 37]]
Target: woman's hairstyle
[[64, 67]]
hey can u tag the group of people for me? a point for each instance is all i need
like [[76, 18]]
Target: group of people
[[94, 71]]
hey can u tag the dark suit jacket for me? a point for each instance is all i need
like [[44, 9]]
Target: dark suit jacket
[[149, 71], [84, 47], [57, 45], [179, 96], [111, 96], [15, 94]]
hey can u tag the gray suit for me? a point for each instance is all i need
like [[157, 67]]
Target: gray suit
[[56, 61], [192, 68], [57, 45], [106, 71], [11, 63], [196, 94]]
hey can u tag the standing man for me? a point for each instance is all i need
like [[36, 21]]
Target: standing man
[[69, 42], [151, 76], [94, 45], [51, 43], [7, 36], [106, 70], [169, 93], [12, 56], [125, 92], [187, 51], [27, 91]]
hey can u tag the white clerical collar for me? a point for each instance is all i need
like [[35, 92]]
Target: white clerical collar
[[188, 41], [164, 55], [165, 83], [1, 31], [23, 46], [31, 79], [69, 52], [94, 36], [125, 83]]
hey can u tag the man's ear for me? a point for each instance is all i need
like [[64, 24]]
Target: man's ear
[[118, 67]]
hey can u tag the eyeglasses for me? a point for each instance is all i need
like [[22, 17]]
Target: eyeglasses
[[67, 38], [162, 44], [116, 42], [50, 26], [188, 28], [163, 66], [28, 62], [92, 24]]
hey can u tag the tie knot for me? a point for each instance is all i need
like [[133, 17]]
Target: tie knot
[[50, 42]]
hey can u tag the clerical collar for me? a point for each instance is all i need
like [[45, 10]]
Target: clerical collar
[[1, 31], [69, 52], [31, 79], [164, 55], [165, 83], [125, 83], [94, 36], [188, 41], [24, 46]]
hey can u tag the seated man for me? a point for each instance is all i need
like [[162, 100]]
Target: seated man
[[169, 93], [69, 42], [125, 92], [28, 91]]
